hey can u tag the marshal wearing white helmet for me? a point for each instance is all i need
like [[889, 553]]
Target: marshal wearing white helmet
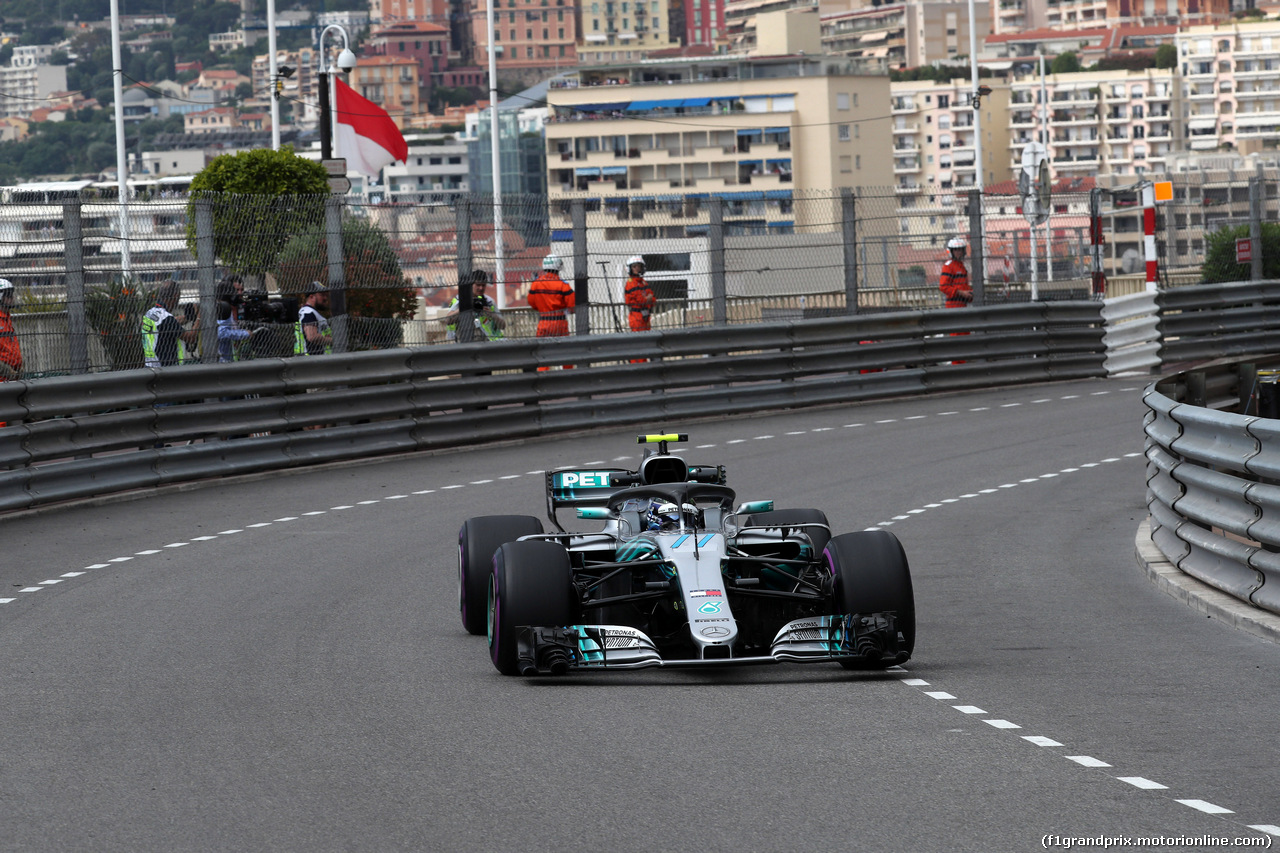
[[639, 295], [955, 277], [10, 352], [552, 297]]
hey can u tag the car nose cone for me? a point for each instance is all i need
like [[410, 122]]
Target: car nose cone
[[715, 631]]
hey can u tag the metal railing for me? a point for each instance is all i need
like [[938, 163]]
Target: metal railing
[[77, 436], [1213, 480]]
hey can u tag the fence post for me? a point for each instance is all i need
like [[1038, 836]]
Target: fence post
[[715, 246], [849, 225], [977, 275], [1255, 228], [204, 279], [1096, 239], [466, 330], [337, 274], [77, 327], [581, 275], [1149, 236]]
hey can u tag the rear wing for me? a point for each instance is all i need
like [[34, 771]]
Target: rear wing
[[570, 488]]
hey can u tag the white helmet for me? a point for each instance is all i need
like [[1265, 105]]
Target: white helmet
[[552, 263], [633, 260], [956, 243], [5, 284]]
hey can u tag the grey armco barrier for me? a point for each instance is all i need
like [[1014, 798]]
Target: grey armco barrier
[[1212, 480], [79, 436]]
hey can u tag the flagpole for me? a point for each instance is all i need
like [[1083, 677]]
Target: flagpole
[[273, 70], [500, 281], [122, 165]]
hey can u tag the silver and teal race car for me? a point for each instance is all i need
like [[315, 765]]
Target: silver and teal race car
[[680, 574]]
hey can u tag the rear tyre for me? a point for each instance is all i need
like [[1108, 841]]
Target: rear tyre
[[477, 540], [531, 585], [786, 517], [871, 575]]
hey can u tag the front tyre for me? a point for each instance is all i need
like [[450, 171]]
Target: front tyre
[[531, 586], [477, 540], [871, 575]]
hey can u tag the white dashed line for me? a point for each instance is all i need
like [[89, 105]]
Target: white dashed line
[[259, 524], [31, 589], [73, 574], [455, 486], [1009, 405], [1087, 761], [146, 553], [944, 414], [823, 429], [51, 582], [968, 709], [981, 409], [230, 532], [1143, 783], [7, 600], [1070, 397], [1040, 740], [122, 559], [1268, 828], [396, 497], [705, 446], [916, 418], [888, 421], [1030, 480], [1002, 724], [736, 441], [317, 512], [184, 544], [507, 477], [425, 492], [1047, 476], [1206, 807], [347, 506], [366, 503], [938, 694], [209, 538], [97, 566], [483, 482], [915, 682], [851, 426], [762, 437], [1099, 393], [797, 432]]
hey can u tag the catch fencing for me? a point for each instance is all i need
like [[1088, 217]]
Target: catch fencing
[[766, 254], [77, 436]]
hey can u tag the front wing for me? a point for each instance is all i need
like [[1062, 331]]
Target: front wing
[[870, 639]]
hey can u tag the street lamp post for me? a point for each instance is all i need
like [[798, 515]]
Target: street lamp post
[[346, 61], [273, 73]]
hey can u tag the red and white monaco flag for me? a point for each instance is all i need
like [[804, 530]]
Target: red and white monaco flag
[[364, 134]]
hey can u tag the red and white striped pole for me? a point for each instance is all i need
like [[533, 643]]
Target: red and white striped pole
[[1149, 233]]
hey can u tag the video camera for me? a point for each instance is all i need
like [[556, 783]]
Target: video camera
[[258, 307]]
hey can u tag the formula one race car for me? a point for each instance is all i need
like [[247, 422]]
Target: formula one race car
[[680, 575]]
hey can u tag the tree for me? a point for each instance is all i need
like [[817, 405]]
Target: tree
[[1167, 56], [1065, 63], [378, 295], [260, 199], [1220, 254]]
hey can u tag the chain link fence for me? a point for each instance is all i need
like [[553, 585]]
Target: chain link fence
[[761, 255]]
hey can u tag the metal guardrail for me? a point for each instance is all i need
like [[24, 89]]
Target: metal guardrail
[[1213, 481], [78, 436], [1209, 321]]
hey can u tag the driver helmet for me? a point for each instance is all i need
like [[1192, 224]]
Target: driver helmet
[[666, 516]]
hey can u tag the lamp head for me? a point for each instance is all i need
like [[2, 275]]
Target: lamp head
[[346, 61]]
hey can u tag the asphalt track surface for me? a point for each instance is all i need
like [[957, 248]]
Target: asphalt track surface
[[304, 683]]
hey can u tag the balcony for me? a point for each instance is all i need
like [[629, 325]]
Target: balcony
[[906, 168], [903, 189], [903, 150], [903, 106], [913, 127], [1202, 95]]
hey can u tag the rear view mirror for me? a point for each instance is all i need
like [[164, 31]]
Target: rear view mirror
[[593, 512], [755, 506]]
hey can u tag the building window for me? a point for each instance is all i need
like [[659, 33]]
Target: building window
[[842, 132], [846, 163], [842, 100]]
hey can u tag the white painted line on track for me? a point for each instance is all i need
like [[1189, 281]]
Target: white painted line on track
[[823, 429], [1206, 807], [1040, 740], [939, 694], [506, 477], [286, 518], [31, 589], [184, 544], [7, 600], [51, 582], [1002, 724], [73, 574], [1143, 783], [317, 512], [98, 566], [968, 709], [1087, 761], [229, 532], [1268, 828], [146, 553], [797, 432], [425, 492], [367, 503], [399, 497], [209, 538], [736, 441], [121, 559], [915, 682]]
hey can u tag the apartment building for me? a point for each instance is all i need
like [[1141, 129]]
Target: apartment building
[[391, 82], [703, 21], [436, 167], [919, 32], [651, 141], [1168, 12], [935, 152], [393, 11], [24, 88], [421, 41], [299, 88], [620, 31], [528, 34], [1098, 123], [740, 18], [1230, 84]]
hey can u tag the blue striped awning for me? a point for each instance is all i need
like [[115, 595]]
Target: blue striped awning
[[587, 171], [670, 198], [748, 196], [778, 194], [696, 102], [784, 223], [786, 162], [759, 163], [561, 236], [640, 106], [776, 131], [749, 132], [613, 170], [642, 198]]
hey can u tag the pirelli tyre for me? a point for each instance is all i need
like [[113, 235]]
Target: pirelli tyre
[[477, 540], [531, 586], [787, 517], [871, 575]]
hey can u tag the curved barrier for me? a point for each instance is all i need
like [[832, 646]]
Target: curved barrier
[[1213, 481], [77, 436]]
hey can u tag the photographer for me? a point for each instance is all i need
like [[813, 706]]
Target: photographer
[[488, 323], [230, 295]]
